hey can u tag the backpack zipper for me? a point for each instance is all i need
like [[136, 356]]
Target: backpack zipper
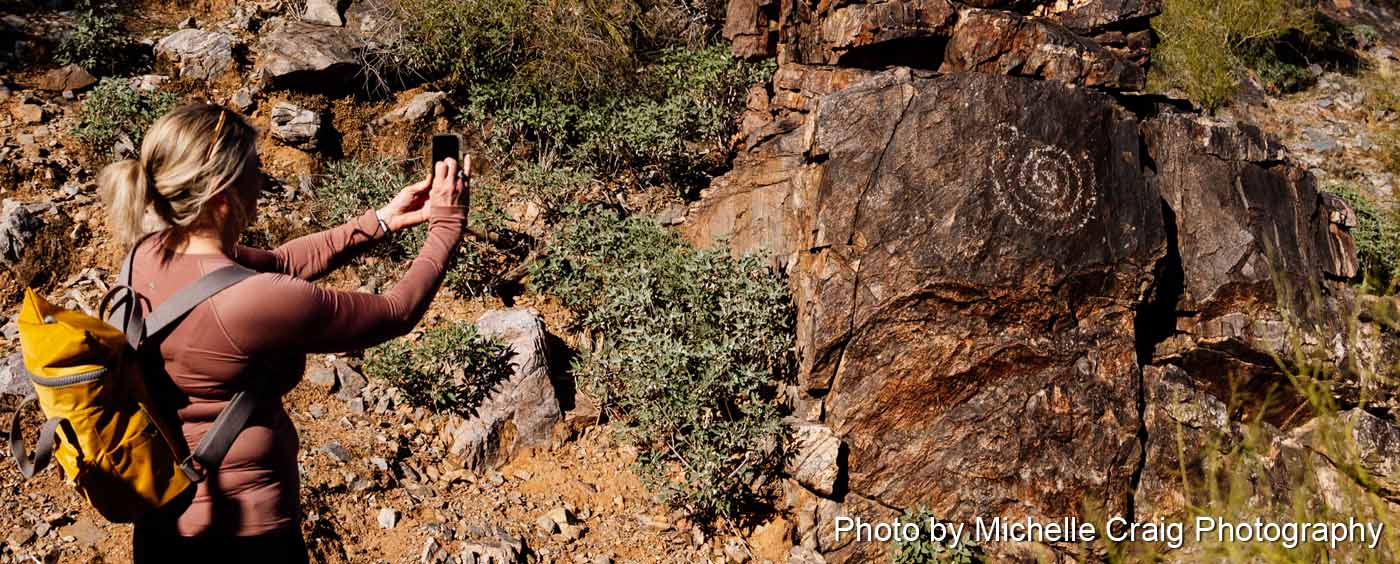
[[79, 378]]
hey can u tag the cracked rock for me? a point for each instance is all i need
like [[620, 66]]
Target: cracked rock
[[198, 54], [296, 126]]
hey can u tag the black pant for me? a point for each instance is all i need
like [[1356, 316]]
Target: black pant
[[161, 545]]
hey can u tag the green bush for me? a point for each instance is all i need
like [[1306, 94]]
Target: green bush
[[446, 369], [114, 109], [926, 550], [1377, 236], [614, 92], [97, 42], [1206, 44], [690, 348]]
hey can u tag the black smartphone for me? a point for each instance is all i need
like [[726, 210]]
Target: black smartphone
[[447, 145]]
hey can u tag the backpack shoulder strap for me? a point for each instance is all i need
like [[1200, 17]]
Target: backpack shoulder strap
[[175, 307], [214, 445]]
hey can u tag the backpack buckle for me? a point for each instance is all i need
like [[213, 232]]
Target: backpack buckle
[[193, 469]]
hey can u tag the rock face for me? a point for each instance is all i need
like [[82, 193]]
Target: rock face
[[1102, 42], [309, 56], [1013, 288], [296, 126], [1253, 249], [521, 411], [199, 55]]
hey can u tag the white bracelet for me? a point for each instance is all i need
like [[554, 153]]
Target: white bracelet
[[383, 227]]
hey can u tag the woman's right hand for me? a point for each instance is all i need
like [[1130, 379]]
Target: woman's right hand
[[449, 188]]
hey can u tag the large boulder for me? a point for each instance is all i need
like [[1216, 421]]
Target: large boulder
[[308, 56], [198, 54], [521, 411]]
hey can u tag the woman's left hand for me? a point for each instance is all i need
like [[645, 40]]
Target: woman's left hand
[[409, 206]]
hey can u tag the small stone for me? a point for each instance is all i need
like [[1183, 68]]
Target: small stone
[[357, 406], [42, 529], [562, 516], [735, 551], [656, 523], [521, 475], [296, 126], [323, 12], [388, 517], [20, 536], [189, 23], [29, 113], [571, 532], [26, 138], [200, 55], [323, 376], [423, 104], [379, 463], [352, 383], [148, 82], [336, 452], [316, 411], [242, 100], [68, 77], [546, 525]]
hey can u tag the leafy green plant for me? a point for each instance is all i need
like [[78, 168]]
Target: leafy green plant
[[927, 550], [601, 91], [689, 350], [114, 109], [1205, 44], [446, 369], [97, 41], [1377, 236]]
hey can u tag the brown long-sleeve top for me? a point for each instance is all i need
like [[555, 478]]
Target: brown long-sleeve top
[[257, 334]]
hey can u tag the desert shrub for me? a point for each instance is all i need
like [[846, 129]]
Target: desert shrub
[[1377, 236], [97, 41], [660, 122], [927, 550], [1207, 44], [690, 347], [626, 93], [114, 109], [446, 369], [555, 189]]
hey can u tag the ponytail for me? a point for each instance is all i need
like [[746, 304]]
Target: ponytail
[[188, 157], [125, 188]]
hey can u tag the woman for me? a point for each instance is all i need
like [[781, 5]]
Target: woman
[[199, 174]]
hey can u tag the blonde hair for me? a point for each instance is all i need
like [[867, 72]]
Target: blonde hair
[[188, 157]]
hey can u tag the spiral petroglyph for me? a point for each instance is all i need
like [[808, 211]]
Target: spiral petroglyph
[[1042, 185]]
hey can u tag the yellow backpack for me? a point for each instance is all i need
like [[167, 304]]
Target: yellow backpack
[[116, 445]]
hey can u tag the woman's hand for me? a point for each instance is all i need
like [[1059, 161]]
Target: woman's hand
[[407, 209], [410, 206], [449, 186]]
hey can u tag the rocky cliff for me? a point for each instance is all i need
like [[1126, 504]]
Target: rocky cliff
[[1011, 269]]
